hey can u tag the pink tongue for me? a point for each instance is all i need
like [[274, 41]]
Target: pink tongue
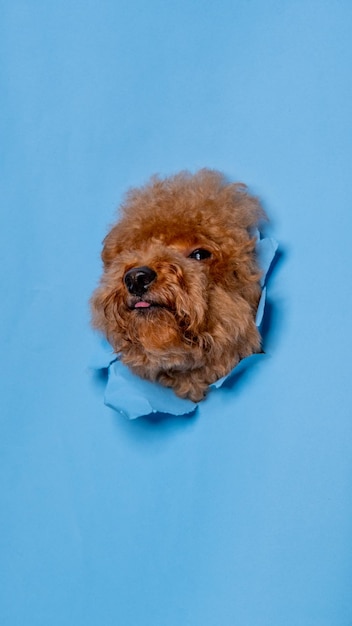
[[141, 304]]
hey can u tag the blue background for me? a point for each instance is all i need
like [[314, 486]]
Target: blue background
[[241, 515]]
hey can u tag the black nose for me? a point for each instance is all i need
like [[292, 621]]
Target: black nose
[[138, 280]]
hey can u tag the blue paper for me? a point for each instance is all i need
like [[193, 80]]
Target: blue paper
[[135, 397]]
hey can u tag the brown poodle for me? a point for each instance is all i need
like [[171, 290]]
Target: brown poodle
[[180, 287]]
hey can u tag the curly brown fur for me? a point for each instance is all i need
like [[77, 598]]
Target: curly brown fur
[[181, 320]]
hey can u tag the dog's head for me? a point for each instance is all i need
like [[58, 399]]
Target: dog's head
[[180, 275]]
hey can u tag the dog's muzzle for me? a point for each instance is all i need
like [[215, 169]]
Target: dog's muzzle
[[139, 279]]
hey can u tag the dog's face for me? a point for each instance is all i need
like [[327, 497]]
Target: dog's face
[[180, 284]]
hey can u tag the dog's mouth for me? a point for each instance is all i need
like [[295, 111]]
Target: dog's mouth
[[144, 306]]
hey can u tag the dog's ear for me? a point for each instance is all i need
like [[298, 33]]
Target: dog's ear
[[247, 211], [111, 246], [232, 202]]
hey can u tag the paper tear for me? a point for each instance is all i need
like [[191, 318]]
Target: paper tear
[[135, 397]]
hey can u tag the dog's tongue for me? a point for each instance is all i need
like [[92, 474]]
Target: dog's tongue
[[141, 304]]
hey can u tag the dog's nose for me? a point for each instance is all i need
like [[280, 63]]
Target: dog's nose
[[138, 280]]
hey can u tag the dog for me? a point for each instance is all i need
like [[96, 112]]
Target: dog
[[180, 286]]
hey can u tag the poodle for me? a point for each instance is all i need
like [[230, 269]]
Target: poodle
[[181, 283]]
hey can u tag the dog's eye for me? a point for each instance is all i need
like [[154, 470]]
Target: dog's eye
[[200, 254]]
